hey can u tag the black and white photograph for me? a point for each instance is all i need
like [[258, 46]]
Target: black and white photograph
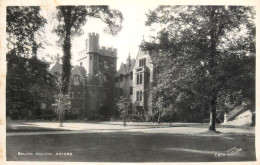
[[127, 82]]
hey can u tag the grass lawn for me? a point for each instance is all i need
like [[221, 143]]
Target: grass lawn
[[131, 147]]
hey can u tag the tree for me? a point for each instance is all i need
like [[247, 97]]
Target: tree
[[23, 26], [29, 84], [206, 53], [71, 19], [61, 99], [123, 106]]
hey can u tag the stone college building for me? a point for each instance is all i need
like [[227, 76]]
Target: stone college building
[[95, 84]]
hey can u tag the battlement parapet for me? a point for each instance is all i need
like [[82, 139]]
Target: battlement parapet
[[93, 34], [108, 51]]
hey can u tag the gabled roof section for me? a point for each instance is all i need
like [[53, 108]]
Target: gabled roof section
[[123, 69], [56, 68], [140, 53], [78, 70]]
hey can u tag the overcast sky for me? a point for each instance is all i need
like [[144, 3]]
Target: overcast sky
[[127, 41]]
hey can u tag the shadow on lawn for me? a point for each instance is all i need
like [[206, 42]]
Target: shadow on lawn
[[132, 147]]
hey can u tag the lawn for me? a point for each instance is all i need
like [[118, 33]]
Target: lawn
[[133, 146]]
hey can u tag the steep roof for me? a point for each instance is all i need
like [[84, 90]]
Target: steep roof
[[81, 69], [126, 69], [56, 68]]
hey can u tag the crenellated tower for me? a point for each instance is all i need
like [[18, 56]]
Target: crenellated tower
[[100, 64]]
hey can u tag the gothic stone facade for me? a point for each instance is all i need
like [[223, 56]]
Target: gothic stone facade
[[95, 84], [92, 80], [132, 81]]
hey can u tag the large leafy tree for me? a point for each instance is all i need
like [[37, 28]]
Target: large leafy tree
[[71, 19], [23, 26], [29, 85], [206, 55], [28, 82]]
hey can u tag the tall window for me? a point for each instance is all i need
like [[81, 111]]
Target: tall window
[[76, 78], [139, 78], [106, 62], [79, 95], [142, 62], [121, 91], [131, 90], [131, 75], [139, 95]]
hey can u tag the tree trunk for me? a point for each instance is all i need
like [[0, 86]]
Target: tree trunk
[[60, 119], [66, 65], [124, 120], [159, 118], [212, 121]]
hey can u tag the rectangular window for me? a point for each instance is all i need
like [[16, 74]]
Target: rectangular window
[[90, 57], [137, 79], [56, 74], [142, 62], [106, 63], [131, 74], [141, 96], [131, 90], [121, 91], [116, 79], [79, 96], [137, 95], [76, 78]]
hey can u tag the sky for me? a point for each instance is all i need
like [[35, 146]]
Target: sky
[[126, 42]]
